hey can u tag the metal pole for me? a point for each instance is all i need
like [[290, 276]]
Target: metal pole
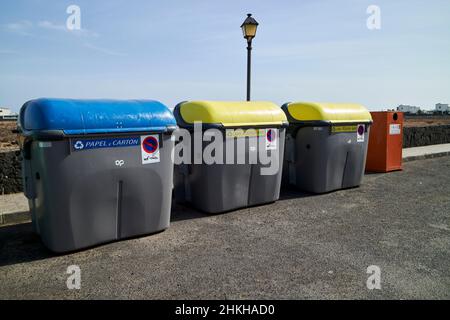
[[249, 63]]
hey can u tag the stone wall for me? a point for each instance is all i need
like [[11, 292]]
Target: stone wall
[[424, 136], [10, 172]]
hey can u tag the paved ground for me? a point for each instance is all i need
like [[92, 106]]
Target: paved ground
[[13, 208], [301, 247], [12, 203], [426, 151]]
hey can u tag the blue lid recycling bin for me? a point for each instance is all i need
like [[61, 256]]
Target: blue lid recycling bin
[[96, 171]]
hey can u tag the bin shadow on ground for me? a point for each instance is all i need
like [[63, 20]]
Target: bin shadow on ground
[[18, 243], [290, 192], [372, 173], [185, 212]]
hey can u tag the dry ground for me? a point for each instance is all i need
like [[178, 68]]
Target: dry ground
[[8, 140], [427, 121]]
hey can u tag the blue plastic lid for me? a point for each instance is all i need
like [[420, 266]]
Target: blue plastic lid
[[76, 117]]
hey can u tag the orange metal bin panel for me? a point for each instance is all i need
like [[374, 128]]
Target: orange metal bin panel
[[385, 142]]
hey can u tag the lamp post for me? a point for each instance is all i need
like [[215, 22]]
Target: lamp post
[[249, 31]]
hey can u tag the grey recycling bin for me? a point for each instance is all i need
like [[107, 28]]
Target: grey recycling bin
[[233, 184], [95, 171], [326, 145]]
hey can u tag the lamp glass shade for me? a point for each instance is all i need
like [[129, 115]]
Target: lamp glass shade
[[249, 30]]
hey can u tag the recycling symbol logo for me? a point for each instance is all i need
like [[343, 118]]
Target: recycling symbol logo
[[78, 145]]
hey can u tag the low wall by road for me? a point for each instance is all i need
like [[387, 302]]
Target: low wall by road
[[10, 172], [10, 161], [424, 136]]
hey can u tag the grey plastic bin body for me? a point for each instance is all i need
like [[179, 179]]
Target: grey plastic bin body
[[87, 196], [322, 156], [217, 188]]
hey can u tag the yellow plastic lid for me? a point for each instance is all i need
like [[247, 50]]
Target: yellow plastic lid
[[232, 113], [330, 112]]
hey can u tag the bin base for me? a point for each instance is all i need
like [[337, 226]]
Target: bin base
[[99, 244], [317, 192], [214, 212], [383, 170]]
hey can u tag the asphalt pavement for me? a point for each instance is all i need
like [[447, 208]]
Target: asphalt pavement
[[302, 247]]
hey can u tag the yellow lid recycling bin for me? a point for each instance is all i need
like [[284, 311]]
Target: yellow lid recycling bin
[[247, 158], [326, 145]]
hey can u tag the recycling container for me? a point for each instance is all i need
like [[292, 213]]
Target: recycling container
[[246, 130], [386, 142], [326, 145], [95, 171]]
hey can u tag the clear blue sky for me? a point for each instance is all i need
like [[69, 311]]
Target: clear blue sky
[[177, 50]]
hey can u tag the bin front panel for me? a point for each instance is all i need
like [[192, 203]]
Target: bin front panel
[[395, 141], [386, 142], [92, 196], [266, 188], [216, 188], [323, 158]]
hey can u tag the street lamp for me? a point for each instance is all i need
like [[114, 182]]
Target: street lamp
[[249, 31]]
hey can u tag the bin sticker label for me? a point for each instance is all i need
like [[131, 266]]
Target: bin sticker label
[[150, 149], [86, 144], [360, 133], [338, 129], [271, 139], [394, 129], [241, 133], [45, 144]]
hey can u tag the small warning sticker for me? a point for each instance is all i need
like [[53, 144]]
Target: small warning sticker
[[394, 129], [360, 133], [271, 139], [150, 149]]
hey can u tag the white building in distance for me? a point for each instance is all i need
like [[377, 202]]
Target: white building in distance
[[408, 109], [7, 114], [442, 107]]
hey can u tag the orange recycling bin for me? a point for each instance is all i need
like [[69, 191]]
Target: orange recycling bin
[[385, 142]]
